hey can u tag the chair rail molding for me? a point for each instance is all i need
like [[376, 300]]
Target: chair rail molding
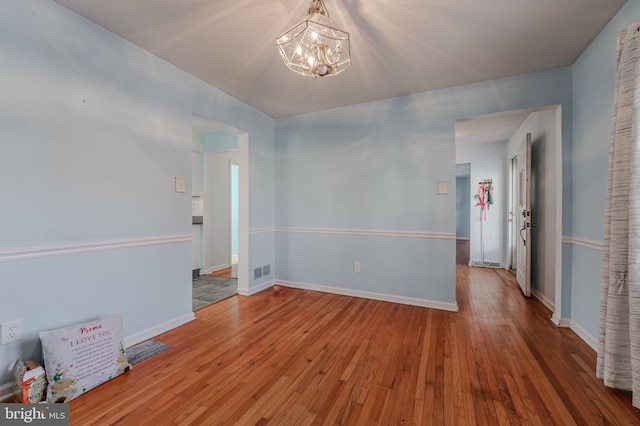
[[85, 247], [583, 242]]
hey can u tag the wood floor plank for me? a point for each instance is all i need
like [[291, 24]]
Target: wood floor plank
[[302, 357]]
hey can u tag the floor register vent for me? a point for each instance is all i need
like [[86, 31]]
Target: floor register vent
[[482, 264]]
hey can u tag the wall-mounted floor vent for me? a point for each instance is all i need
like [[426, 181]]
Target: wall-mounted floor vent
[[482, 264]]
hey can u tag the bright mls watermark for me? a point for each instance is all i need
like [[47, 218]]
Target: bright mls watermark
[[34, 414]]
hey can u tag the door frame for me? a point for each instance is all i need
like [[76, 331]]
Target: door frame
[[556, 317], [511, 215], [557, 240], [243, 201], [234, 206]]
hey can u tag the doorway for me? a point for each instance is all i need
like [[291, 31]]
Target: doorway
[[489, 142], [223, 199]]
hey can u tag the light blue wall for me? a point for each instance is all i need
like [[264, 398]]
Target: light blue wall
[[593, 89], [375, 166], [463, 199], [93, 131]]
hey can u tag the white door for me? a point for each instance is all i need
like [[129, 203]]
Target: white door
[[523, 216]]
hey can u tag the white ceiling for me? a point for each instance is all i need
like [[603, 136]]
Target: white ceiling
[[398, 47], [490, 128]]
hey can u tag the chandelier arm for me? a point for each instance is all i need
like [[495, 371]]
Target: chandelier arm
[[322, 56], [335, 56], [303, 66]]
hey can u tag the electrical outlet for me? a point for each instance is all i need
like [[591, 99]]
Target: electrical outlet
[[257, 273], [266, 270], [11, 331], [356, 266]]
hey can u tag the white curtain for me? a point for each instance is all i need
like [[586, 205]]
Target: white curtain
[[619, 336]]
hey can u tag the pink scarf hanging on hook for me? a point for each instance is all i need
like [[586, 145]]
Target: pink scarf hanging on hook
[[481, 200]]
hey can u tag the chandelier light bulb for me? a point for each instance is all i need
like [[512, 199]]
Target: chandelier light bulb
[[322, 69]]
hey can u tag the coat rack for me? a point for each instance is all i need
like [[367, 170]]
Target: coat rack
[[485, 198]]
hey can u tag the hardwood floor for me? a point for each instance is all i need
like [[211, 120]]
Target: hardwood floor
[[302, 357]]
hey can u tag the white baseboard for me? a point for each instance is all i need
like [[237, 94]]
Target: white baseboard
[[584, 335], [545, 301], [6, 392], [250, 292], [158, 329], [215, 268], [581, 332], [564, 323], [452, 307]]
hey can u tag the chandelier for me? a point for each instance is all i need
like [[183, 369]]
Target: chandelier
[[315, 47]]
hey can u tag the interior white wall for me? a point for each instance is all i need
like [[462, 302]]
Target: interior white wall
[[220, 150], [487, 162], [196, 247], [217, 211], [235, 207]]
